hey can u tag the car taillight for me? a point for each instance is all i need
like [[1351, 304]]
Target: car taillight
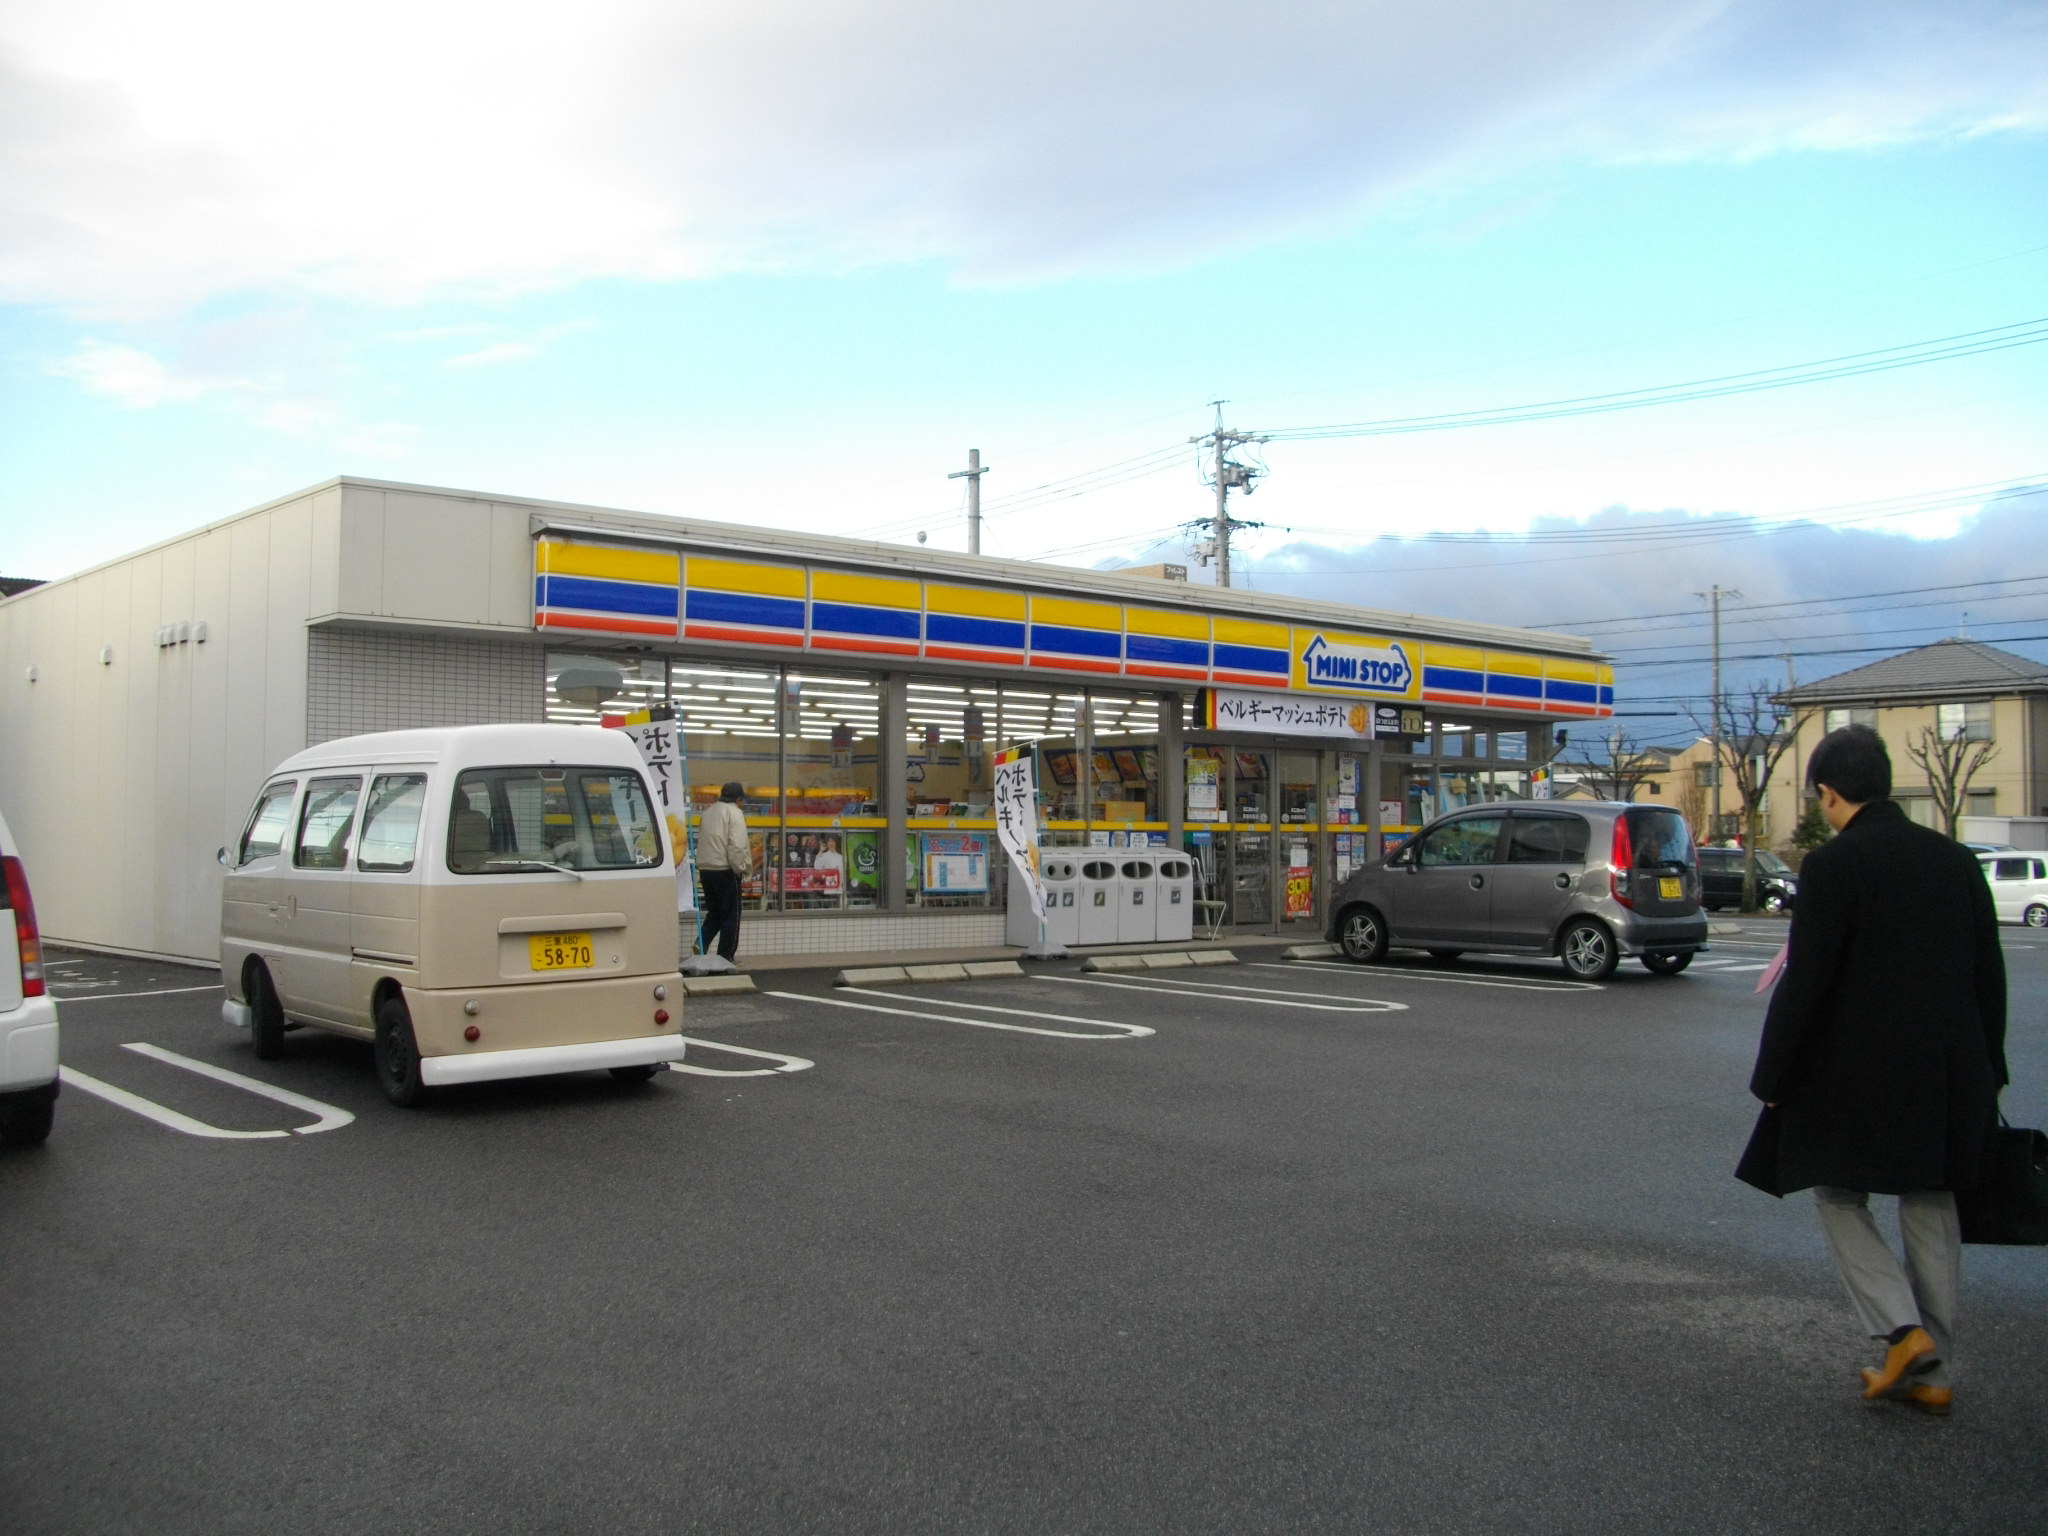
[[1621, 860], [26, 939]]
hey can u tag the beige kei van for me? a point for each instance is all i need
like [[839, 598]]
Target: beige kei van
[[479, 902]]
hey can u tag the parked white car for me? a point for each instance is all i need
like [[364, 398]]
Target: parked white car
[[28, 1014], [2019, 886]]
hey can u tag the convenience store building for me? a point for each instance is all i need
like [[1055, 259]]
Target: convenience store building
[[859, 691]]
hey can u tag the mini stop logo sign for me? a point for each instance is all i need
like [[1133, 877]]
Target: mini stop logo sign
[[1382, 669]]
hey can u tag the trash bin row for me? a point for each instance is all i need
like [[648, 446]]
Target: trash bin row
[[1121, 896]]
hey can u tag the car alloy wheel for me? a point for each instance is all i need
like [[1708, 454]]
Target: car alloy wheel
[[2037, 916], [1362, 937], [1588, 951]]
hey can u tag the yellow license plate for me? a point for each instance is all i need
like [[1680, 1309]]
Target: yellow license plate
[[560, 951], [1668, 888]]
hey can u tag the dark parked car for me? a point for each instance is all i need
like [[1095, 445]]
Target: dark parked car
[[1588, 883], [1721, 880]]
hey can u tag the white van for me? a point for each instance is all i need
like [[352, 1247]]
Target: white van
[[28, 1014], [479, 902], [2019, 886]]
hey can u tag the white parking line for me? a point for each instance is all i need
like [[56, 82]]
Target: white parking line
[[107, 997], [1533, 984], [1730, 970], [326, 1117], [788, 1063], [73, 1078], [1158, 984], [1122, 1031]]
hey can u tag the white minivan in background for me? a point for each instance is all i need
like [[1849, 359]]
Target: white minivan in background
[[2019, 886], [479, 902], [28, 1014]]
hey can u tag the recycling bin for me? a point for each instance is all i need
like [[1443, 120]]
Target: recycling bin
[[1174, 896], [1096, 895], [1137, 908], [1060, 874]]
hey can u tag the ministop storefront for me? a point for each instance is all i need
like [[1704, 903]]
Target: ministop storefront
[[858, 691]]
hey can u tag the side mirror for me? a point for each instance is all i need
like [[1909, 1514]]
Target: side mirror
[[220, 856]]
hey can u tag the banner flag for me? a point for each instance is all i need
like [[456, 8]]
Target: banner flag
[[1016, 812], [661, 749]]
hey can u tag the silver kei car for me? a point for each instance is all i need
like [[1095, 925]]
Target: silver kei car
[[1587, 881]]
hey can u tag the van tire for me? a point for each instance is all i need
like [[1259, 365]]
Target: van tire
[[398, 1055], [266, 1013], [640, 1074], [1588, 950], [2036, 916], [1362, 935], [26, 1117]]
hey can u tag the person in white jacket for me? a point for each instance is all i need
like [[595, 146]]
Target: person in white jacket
[[724, 859]]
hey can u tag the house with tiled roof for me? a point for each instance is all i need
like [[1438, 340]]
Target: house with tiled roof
[[1953, 688]]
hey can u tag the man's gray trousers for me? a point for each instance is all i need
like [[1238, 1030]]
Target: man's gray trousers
[[1887, 1294]]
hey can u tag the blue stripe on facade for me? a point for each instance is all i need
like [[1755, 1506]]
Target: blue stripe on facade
[[857, 619], [596, 596], [739, 608], [1606, 693], [956, 629], [1512, 685], [1251, 658], [1571, 693], [1170, 652], [1453, 680], [1062, 641]]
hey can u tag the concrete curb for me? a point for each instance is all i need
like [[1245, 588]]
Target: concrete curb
[[714, 986], [1164, 961], [1309, 951], [885, 975]]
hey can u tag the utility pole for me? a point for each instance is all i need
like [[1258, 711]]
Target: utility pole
[[1228, 475], [972, 475], [1715, 597]]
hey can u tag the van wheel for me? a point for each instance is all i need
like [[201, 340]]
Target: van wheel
[[398, 1056], [1588, 951], [26, 1117], [1362, 936], [1445, 956], [2036, 916], [1774, 903], [266, 1014], [1664, 963], [642, 1074]]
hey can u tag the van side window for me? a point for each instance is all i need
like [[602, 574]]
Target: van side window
[[521, 820], [324, 824], [264, 835], [1548, 840], [2011, 869], [391, 822], [1471, 841]]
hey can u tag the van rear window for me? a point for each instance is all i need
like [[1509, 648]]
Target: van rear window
[[509, 821], [1661, 839]]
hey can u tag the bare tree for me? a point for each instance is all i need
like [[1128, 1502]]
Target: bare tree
[[1754, 736], [1949, 762], [1616, 767]]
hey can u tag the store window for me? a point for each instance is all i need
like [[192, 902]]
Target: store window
[[832, 796], [731, 724], [946, 756], [583, 689]]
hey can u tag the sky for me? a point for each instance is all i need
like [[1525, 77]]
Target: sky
[[785, 263]]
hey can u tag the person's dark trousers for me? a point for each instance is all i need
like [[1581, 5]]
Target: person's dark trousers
[[721, 910]]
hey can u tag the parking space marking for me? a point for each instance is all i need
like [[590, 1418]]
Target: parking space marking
[[1732, 969], [326, 1117], [1159, 984], [1122, 1031], [1533, 984], [108, 997], [788, 1063], [150, 1110]]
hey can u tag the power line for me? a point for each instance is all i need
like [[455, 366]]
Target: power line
[[1801, 602]]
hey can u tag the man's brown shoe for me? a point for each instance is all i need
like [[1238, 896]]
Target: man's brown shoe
[[1935, 1400], [1914, 1348]]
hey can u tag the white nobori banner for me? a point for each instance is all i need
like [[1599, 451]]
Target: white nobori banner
[[1016, 812]]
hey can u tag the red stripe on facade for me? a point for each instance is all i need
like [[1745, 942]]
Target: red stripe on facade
[[883, 647], [1497, 702], [967, 653], [1250, 679], [549, 619], [1153, 669], [742, 636]]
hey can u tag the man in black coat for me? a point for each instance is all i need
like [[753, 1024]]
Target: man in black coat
[[1882, 1058]]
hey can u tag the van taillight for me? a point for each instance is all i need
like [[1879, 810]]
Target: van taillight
[[26, 939], [1621, 859]]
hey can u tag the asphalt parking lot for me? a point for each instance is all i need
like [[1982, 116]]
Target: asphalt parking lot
[[1281, 1246]]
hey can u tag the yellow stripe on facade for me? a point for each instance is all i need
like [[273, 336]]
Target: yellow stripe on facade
[[754, 580], [555, 557], [1177, 626], [1435, 655], [1248, 632], [1606, 676], [974, 602], [871, 591], [1514, 665], [1073, 615], [1570, 671]]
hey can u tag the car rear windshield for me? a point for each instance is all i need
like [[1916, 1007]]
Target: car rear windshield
[[509, 821], [1661, 839]]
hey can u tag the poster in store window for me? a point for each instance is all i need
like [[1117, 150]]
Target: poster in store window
[[1204, 795], [1300, 883]]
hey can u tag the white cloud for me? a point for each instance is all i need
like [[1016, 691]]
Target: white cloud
[[491, 357], [152, 155], [128, 376]]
